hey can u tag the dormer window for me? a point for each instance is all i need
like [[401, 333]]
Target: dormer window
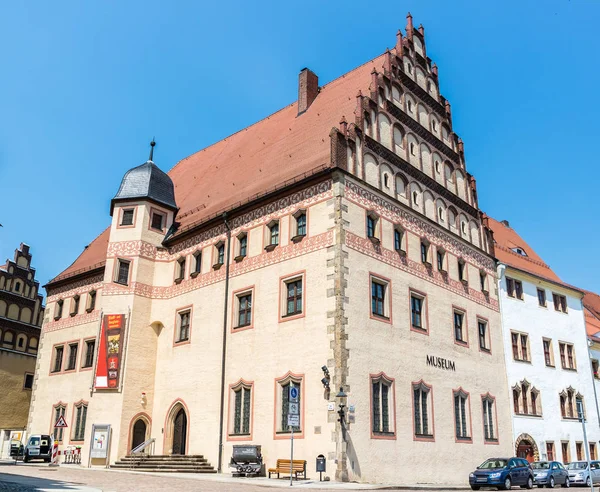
[[180, 275], [242, 246], [197, 264], [58, 310], [91, 301], [399, 239], [158, 221], [372, 227], [272, 235], [425, 252], [127, 217], [462, 275], [300, 219], [75, 306], [519, 251], [220, 251]]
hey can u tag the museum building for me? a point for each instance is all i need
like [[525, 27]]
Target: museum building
[[547, 355], [335, 245]]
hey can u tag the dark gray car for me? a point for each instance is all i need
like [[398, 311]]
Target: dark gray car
[[550, 473]]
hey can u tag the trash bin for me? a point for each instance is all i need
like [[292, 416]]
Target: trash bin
[[321, 466]]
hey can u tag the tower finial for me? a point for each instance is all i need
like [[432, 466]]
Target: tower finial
[[152, 144]]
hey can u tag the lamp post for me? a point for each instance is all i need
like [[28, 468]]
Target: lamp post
[[581, 415], [341, 472]]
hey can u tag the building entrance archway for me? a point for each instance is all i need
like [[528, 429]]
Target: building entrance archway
[[176, 429], [179, 432], [526, 448], [139, 433]]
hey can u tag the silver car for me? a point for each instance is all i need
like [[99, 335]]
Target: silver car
[[582, 474]]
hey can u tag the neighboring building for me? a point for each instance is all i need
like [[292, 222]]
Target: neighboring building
[[591, 305], [547, 357], [21, 316], [352, 254]]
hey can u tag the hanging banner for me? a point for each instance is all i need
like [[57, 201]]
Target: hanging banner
[[108, 368]]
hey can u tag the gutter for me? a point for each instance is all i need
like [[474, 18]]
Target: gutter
[[224, 350]]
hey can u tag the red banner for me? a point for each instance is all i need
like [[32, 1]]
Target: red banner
[[108, 368]]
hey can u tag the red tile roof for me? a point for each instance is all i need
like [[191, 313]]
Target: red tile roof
[[506, 239], [256, 159]]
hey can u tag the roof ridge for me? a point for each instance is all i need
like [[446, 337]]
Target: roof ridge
[[272, 114], [527, 258]]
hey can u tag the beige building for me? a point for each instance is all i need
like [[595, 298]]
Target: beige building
[[21, 315], [335, 244]]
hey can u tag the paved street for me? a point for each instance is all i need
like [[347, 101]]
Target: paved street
[[39, 477]]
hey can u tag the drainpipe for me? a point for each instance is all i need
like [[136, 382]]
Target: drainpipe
[[222, 412]]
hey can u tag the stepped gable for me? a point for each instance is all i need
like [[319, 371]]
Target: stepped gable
[[254, 160], [506, 240]]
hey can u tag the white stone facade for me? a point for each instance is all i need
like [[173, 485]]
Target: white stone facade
[[547, 431]]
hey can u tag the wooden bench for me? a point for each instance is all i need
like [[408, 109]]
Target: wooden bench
[[283, 466]]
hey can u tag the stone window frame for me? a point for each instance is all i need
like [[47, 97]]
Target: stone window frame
[[81, 437], [117, 268], [422, 386], [240, 385], [488, 336], [469, 417], [177, 325], [566, 364], [158, 212], [83, 357], [424, 329], [283, 282], [464, 342], [386, 283], [489, 398], [383, 379], [122, 211], [235, 297], [280, 382]]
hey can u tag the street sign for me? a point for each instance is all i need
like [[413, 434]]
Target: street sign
[[294, 393], [61, 422], [294, 420], [294, 409]]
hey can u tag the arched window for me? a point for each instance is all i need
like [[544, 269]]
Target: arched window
[[398, 140], [421, 79], [396, 95], [408, 66]]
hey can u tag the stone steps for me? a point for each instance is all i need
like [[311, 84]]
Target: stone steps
[[165, 463]]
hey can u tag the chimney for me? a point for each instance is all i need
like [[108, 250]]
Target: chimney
[[409, 27], [308, 88], [505, 223]]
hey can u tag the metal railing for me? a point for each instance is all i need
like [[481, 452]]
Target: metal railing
[[142, 447]]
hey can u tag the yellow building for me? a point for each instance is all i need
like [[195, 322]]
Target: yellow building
[[335, 244], [21, 316]]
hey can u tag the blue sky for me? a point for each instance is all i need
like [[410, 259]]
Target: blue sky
[[86, 85]]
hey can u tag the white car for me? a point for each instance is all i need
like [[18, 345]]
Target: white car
[[582, 474]]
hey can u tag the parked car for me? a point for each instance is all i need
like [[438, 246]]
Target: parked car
[[39, 447], [502, 473], [582, 474], [550, 473]]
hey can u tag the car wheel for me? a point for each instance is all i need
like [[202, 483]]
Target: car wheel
[[25, 459], [588, 482], [567, 483], [551, 483], [507, 483], [530, 482], [475, 487]]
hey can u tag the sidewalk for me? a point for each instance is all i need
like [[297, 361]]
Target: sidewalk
[[312, 483], [94, 478]]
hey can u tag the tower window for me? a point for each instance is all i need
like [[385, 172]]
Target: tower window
[[127, 217], [122, 271], [158, 221]]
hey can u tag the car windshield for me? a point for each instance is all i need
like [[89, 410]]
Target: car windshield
[[491, 464], [34, 441], [540, 465], [577, 465]]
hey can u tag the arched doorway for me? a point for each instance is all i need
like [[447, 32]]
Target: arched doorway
[[526, 448], [139, 433], [179, 432]]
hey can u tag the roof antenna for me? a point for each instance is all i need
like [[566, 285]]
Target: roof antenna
[[152, 144]]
